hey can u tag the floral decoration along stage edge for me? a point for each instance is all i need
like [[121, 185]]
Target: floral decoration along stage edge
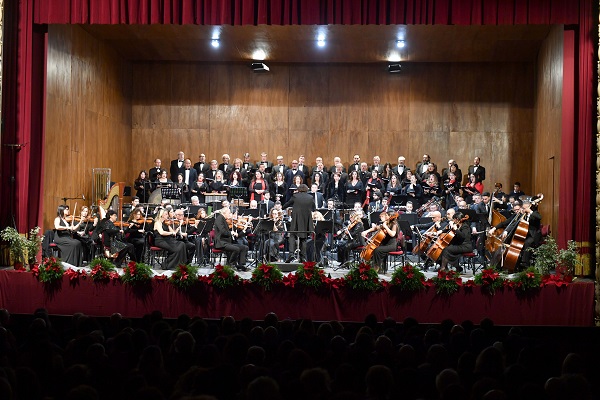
[[361, 277]]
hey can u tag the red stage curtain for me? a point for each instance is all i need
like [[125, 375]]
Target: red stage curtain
[[297, 12], [23, 116]]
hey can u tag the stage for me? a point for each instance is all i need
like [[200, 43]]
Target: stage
[[571, 305]]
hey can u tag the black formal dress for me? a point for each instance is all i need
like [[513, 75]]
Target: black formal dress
[[71, 250], [461, 243], [354, 192], [176, 251]]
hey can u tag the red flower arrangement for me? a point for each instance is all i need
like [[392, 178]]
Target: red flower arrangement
[[136, 273], [222, 277], [50, 271], [408, 278], [103, 270], [362, 277], [490, 280], [447, 282], [267, 275], [184, 276]]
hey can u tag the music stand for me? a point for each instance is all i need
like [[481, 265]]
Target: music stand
[[398, 199], [204, 226], [264, 227], [238, 193], [170, 193], [410, 218]]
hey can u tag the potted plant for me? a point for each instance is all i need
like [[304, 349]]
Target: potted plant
[[545, 256], [33, 244], [16, 243], [568, 259]]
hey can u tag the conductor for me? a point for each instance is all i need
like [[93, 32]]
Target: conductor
[[303, 205]]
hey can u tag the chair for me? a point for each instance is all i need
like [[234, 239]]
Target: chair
[[392, 258], [468, 260], [157, 254], [215, 252], [55, 250]]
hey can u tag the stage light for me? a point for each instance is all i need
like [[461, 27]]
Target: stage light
[[215, 43], [259, 67], [321, 40], [394, 68], [400, 44]]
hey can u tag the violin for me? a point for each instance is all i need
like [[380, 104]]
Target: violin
[[70, 218], [121, 224], [142, 221], [174, 222]]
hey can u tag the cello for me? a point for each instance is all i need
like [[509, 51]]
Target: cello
[[422, 247], [513, 252], [375, 240], [443, 241]]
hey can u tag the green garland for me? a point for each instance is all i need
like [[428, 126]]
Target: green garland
[[102, 270], [136, 273], [408, 279], [363, 277], [266, 276], [184, 276], [223, 277]]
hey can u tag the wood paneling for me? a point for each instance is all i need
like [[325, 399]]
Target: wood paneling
[[88, 116], [548, 123]]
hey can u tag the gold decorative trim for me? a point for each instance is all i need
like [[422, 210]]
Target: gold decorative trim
[[1, 49], [597, 244]]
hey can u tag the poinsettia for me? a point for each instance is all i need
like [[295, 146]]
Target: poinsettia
[[447, 282], [50, 271], [363, 277], [267, 275], [222, 277], [408, 278], [490, 280], [137, 273], [184, 276]]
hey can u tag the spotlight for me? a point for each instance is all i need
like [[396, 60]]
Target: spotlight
[[259, 67], [215, 43], [394, 68], [400, 44]]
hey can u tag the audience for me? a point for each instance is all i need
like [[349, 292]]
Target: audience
[[81, 357]]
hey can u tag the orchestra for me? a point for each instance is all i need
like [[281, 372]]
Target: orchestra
[[364, 196]]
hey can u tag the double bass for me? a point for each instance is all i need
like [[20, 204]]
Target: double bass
[[443, 241], [513, 252], [375, 240]]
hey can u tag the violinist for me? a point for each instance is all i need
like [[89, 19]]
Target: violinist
[[271, 246], [534, 232], [236, 253], [350, 235], [182, 235], [461, 242], [71, 249], [164, 237], [112, 239], [83, 232], [388, 243], [134, 233], [200, 230]]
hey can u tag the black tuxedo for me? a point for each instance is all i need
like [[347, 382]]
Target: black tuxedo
[[379, 169], [304, 170], [320, 203], [354, 167], [176, 169], [154, 171], [268, 165], [419, 170], [479, 173], [303, 205], [278, 168], [226, 168], [211, 174], [202, 168], [290, 174], [248, 167], [401, 174], [193, 176]]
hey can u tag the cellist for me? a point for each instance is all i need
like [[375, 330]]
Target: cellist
[[534, 232], [388, 243], [461, 242]]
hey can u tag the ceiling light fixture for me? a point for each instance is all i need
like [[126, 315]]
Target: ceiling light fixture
[[259, 67], [394, 68]]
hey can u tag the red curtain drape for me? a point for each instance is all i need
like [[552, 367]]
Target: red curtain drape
[[307, 12], [23, 118]]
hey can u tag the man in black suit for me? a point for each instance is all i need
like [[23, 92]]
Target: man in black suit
[[247, 165], [377, 166], [223, 240], [190, 175], [317, 196], [356, 165], [225, 166], [155, 171], [211, 174], [302, 166], [477, 170], [291, 173], [303, 205], [177, 166], [333, 168], [279, 167], [263, 160], [400, 169], [266, 205], [516, 193], [201, 166], [422, 167]]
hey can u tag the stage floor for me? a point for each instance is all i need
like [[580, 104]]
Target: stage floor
[[572, 305]]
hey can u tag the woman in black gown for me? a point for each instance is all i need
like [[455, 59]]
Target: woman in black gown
[[389, 243], [71, 250]]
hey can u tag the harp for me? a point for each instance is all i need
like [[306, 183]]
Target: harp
[[113, 200]]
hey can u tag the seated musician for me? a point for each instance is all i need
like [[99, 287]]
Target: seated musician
[[424, 234], [224, 240], [86, 224], [276, 237], [390, 229], [135, 232], [182, 235], [350, 235], [112, 237], [534, 230], [460, 243], [71, 249], [165, 233], [200, 231], [376, 204]]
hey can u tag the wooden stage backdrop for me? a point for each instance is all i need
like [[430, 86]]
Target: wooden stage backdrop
[[104, 111]]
